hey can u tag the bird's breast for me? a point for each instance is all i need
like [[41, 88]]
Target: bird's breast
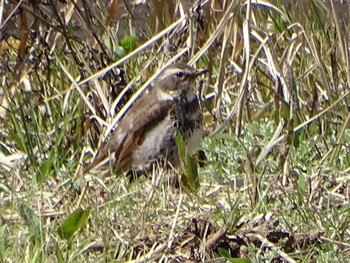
[[159, 144], [191, 124]]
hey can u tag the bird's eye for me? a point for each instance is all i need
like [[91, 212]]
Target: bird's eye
[[179, 74]]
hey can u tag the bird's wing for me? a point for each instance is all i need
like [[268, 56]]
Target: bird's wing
[[130, 132]]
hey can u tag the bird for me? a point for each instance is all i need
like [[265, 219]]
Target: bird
[[146, 135]]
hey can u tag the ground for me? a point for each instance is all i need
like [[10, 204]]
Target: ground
[[272, 184]]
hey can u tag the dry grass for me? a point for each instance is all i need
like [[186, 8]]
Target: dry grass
[[275, 185]]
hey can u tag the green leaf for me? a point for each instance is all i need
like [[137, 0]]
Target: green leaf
[[32, 221], [284, 111], [73, 223], [297, 139], [180, 146], [45, 167], [191, 179], [226, 254], [239, 260], [302, 188], [128, 42], [5, 189]]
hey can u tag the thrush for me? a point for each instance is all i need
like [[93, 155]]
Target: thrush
[[146, 136]]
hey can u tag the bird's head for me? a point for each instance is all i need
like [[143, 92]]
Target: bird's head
[[177, 80]]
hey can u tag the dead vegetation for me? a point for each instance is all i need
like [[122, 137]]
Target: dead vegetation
[[274, 187]]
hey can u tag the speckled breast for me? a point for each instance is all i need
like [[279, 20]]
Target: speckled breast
[[159, 145]]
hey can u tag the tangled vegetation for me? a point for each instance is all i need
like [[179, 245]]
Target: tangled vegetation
[[274, 186]]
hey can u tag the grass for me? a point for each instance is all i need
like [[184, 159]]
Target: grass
[[275, 185]]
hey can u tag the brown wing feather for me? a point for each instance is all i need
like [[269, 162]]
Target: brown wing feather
[[130, 132]]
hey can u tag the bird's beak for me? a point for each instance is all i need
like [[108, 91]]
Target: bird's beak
[[198, 73]]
